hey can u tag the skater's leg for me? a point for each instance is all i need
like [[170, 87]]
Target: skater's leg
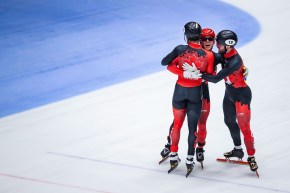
[[244, 117], [229, 110], [179, 111], [179, 115], [193, 114], [202, 132]]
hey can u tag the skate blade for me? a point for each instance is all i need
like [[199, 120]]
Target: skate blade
[[256, 171], [173, 167], [239, 162], [201, 163], [188, 172], [227, 160], [163, 159], [257, 174]]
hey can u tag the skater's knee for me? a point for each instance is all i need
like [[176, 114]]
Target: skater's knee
[[230, 122]]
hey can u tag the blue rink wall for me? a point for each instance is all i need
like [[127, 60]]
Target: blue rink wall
[[52, 50]]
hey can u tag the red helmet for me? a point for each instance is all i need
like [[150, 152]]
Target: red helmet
[[207, 32]]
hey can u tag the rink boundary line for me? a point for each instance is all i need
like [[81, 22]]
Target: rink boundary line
[[156, 170], [52, 183]]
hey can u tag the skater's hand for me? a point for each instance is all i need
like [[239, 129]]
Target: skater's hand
[[190, 72], [192, 75], [187, 67]]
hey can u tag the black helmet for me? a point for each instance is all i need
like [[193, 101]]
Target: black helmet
[[227, 38], [192, 30]]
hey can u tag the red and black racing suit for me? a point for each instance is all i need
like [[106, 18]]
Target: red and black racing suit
[[187, 95], [237, 99], [202, 130]]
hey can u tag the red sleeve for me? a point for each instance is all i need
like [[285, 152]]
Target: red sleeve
[[174, 67], [210, 66]]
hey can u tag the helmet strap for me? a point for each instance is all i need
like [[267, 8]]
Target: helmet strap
[[226, 50]]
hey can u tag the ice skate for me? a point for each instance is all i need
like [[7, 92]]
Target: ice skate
[[252, 163], [165, 153], [189, 164], [174, 161], [200, 155], [235, 153]]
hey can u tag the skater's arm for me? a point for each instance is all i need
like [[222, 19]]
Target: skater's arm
[[172, 55], [231, 66], [174, 67]]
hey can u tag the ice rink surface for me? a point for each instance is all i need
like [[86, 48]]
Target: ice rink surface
[[109, 140]]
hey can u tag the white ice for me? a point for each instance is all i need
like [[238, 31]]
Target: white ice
[[109, 140]]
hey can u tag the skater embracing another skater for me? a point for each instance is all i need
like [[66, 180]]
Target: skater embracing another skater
[[207, 41], [237, 98], [187, 96]]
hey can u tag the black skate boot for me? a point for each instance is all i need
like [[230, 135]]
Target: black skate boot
[[252, 163], [235, 153], [166, 151], [199, 154], [174, 161], [189, 164]]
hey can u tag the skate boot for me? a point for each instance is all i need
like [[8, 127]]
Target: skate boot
[[166, 151], [189, 162], [199, 154], [252, 163], [174, 159], [235, 153]]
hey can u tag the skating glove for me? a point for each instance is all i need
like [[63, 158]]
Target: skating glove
[[190, 72], [191, 75], [187, 67]]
